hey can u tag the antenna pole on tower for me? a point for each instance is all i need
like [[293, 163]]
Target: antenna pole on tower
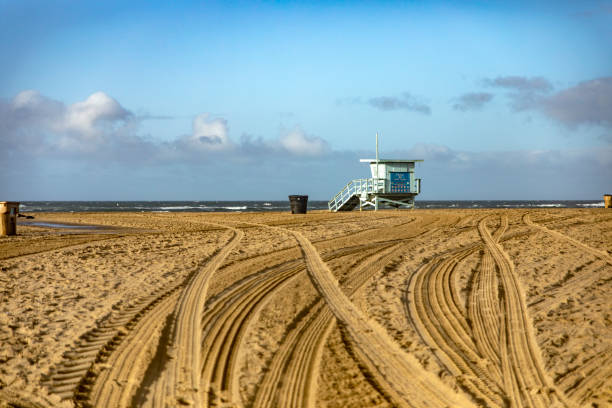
[[377, 155], [376, 190]]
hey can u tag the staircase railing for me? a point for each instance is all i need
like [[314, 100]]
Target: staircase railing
[[356, 187]]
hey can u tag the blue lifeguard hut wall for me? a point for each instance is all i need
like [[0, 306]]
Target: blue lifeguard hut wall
[[398, 175], [393, 184]]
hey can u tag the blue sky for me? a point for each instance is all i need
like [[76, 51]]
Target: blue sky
[[258, 100]]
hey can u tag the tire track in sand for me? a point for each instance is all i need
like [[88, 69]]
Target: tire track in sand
[[223, 336], [592, 376], [484, 311], [399, 373], [597, 252], [496, 359], [126, 343], [225, 323], [179, 383], [290, 380], [23, 399], [229, 314], [116, 379], [525, 379], [72, 378], [78, 372], [440, 327], [291, 377]]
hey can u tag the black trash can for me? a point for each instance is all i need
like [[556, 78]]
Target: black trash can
[[298, 204]]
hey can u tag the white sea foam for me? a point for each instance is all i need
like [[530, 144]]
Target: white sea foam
[[601, 204]]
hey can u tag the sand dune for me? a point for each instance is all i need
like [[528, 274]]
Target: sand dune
[[395, 308]]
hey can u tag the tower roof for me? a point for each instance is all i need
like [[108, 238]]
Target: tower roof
[[390, 160]]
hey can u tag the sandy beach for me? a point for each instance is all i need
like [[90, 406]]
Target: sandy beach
[[414, 308]]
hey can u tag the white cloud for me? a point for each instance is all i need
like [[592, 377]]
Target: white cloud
[[209, 134], [100, 128], [47, 135], [30, 108], [33, 121], [98, 109], [27, 99], [298, 143], [95, 121]]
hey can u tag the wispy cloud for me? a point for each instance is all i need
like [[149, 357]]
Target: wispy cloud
[[405, 101], [589, 102], [601, 10], [524, 92], [472, 101], [520, 83]]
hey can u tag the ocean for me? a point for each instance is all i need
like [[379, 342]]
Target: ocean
[[263, 206]]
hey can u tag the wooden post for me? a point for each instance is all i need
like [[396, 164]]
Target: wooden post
[[8, 217]]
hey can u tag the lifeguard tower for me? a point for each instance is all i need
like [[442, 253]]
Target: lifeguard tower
[[392, 183]]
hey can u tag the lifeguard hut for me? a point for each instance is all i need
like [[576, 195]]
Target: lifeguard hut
[[392, 183]]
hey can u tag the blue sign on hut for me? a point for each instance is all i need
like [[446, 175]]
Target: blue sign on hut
[[392, 183]]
